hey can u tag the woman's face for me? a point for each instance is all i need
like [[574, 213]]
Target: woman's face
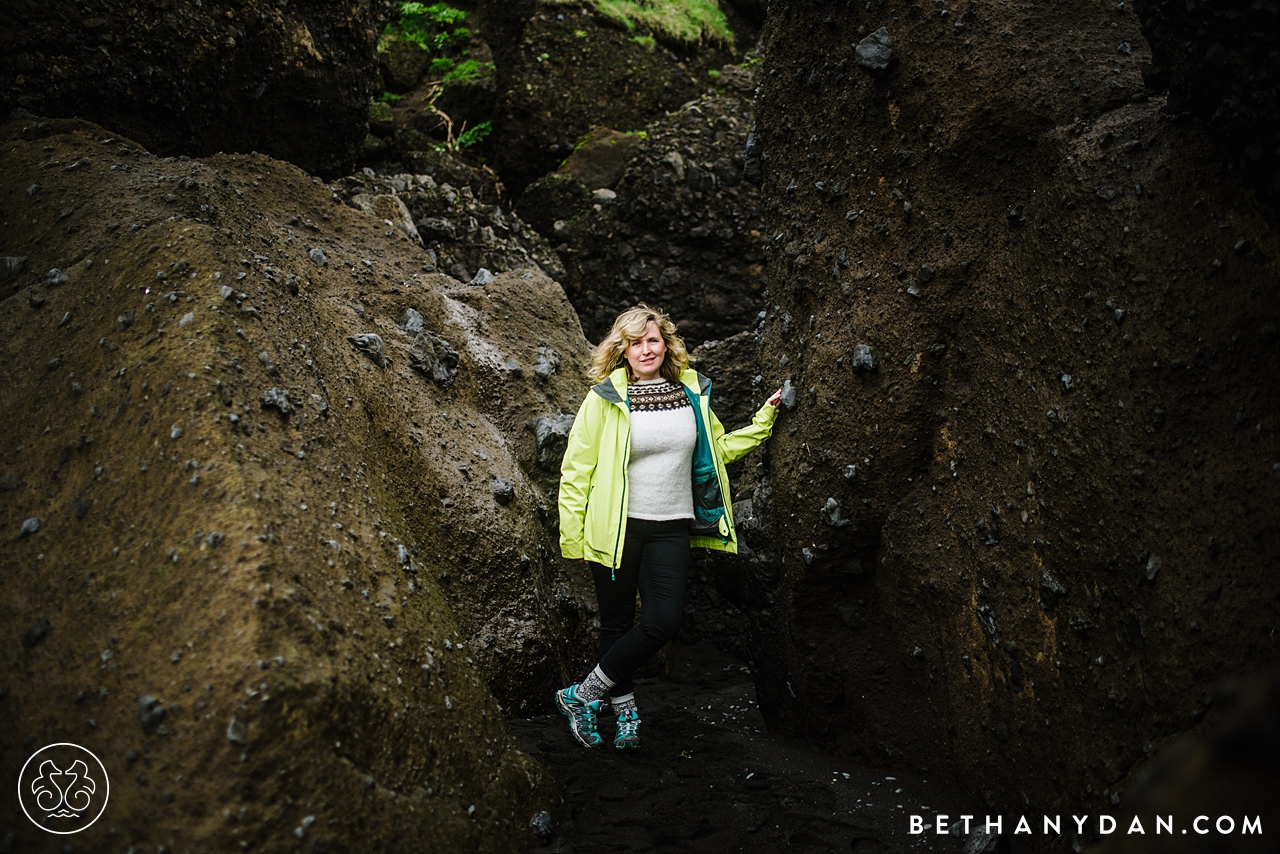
[[646, 353]]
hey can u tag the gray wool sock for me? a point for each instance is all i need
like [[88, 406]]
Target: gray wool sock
[[595, 686], [624, 705]]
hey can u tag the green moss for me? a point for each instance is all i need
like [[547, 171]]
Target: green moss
[[469, 70], [689, 21], [646, 42]]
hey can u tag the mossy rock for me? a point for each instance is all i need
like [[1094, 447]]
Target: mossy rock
[[600, 158], [403, 62], [558, 196], [382, 120], [374, 146]]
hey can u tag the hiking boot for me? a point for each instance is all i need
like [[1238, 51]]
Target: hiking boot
[[582, 716], [628, 734]]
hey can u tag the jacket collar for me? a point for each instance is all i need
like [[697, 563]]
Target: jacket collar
[[614, 388]]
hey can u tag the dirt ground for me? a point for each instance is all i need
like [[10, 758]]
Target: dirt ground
[[709, 777]]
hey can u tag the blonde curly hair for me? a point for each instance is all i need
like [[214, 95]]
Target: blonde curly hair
[[611, 353]]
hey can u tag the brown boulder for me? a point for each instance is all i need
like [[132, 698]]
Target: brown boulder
[[268, 501]]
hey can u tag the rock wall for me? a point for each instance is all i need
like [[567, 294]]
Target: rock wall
[[669, 220], [292, 80], [572, 70], [262, 562], [1018, 536]]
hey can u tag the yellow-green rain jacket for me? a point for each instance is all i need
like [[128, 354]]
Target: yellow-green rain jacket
[[593, 475]]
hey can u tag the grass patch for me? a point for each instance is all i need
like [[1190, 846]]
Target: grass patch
[[646, 42], [467, 71], [689, 21]]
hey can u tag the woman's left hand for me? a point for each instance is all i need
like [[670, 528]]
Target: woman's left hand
[[775, 399]]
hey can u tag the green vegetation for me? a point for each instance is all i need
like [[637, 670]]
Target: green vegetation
[[432, 29], [389, 97], [467, 71], [429, 27], [466, 139], [470, 137], [646, 42], [689, 21]]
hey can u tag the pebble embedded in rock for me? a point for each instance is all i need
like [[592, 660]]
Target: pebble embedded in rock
[[370, 343], [545, 362], [30, 526], [864, 359], [264, 358], [235, 732], [988, 532], [11, 266], [152, 713], [833, 515], [411, 322], [788, 394], [1067, 384], [1050, 589], [318, 257], [482, 277], [551, 435], [1154, 565], [433, 357], [540, 824], [503, 492], [604, 195], [512, 365], [279, 398], [875, 51], [56, 277], [36, 632], [987, 619]]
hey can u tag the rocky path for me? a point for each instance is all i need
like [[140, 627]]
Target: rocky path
[[711, 778]]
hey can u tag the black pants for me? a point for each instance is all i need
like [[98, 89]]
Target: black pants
[[655, 558]]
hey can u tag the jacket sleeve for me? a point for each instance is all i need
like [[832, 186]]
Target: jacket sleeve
[[739, 443], [576, 468]]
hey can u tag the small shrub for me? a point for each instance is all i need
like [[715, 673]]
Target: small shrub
[[471, 136]]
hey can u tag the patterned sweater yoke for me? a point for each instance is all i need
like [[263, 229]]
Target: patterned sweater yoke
[[663, 434]]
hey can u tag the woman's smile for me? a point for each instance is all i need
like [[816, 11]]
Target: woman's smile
[[645, 354]]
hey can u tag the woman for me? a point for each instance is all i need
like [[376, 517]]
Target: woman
[[642, 480]]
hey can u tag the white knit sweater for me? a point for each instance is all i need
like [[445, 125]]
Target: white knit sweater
[[663, 434]]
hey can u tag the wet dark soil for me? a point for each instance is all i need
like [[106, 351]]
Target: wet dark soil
[[710, 777]]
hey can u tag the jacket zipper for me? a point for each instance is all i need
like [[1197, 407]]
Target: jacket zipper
[[622, 504], [715, 462]]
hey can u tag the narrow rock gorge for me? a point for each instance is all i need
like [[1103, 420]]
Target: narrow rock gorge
[[291, 359]]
